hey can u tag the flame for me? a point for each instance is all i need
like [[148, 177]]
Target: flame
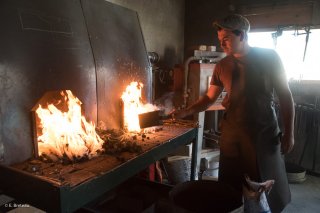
[[67, 134], [133, 106]]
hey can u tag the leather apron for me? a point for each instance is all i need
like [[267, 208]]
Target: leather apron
[[250, 140]]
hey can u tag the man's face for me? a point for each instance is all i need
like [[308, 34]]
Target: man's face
[[229, 42]]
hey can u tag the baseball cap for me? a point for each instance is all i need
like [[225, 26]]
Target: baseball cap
[[233, 22]]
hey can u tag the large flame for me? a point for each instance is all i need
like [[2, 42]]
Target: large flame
[[67, 134], [133, 106]]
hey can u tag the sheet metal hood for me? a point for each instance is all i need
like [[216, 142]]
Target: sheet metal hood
[[92, 47]]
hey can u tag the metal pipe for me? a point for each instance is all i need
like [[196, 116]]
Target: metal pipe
[[186, 73]]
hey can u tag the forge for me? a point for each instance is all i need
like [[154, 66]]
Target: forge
[[61, 131], [56, 187], [94, 49], [75, 163]]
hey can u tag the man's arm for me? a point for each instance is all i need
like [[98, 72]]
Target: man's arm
[[286, 112], [202, 104]]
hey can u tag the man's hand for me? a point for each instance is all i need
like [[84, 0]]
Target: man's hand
[[178, 114], [287, 142], [200, 105]]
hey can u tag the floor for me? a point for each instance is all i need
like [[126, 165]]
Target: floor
[[305, 199], [305, 196]]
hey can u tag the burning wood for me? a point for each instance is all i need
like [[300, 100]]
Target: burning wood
[[66, 134], [133, 106], [117, 141]]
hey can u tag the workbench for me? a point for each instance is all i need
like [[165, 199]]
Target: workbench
[[66, 188]]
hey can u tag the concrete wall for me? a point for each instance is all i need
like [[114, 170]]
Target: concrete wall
[[162, 23], [198, 23]]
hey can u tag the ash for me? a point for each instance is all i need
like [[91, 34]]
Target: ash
[[117, 140]]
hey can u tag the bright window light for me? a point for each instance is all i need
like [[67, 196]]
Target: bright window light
[[291, 46]]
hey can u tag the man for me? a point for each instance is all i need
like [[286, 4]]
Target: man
[[250, 140]]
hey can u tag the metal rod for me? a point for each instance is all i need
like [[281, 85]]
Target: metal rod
[[307, 29]]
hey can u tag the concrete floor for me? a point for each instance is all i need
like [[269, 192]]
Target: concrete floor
[[305, 196], [305, 199]]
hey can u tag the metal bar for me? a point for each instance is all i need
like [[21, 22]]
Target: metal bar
[[1, 150], [197, 147], [194, 159], [307, 29], [30, 189]]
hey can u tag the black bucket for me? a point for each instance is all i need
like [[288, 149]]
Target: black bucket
[[206, 196]]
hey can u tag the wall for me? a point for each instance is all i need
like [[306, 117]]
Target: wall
[[162, 23], [198, 24]]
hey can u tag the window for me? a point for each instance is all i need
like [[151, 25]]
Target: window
[[291, 46]]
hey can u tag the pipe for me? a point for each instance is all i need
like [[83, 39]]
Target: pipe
[[186, 73]]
